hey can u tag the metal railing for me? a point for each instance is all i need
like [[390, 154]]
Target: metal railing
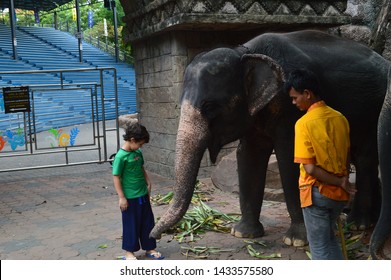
[[109, 47], [100, 42], [23, 146]]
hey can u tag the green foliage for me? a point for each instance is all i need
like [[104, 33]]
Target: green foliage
[[201, 252], [200, 218], [355, 243], [66, 20], [65, 14], [259, 255], [203, 218]]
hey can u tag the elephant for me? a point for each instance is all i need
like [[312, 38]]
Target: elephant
[[236, 93], [382, 229]]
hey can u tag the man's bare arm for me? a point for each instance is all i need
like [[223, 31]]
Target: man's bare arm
[[328, 178]]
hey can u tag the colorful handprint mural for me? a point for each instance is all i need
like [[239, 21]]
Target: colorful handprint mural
[[59, 138], [2, 142], [14, 138]]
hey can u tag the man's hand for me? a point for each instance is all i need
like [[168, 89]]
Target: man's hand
[[329, 179], [347, 186]]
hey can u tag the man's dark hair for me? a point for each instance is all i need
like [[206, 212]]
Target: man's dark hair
[[302, 79], [136, 131]]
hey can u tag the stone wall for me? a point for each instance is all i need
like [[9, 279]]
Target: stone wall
[[156, 61], [146, 18], [363, 14], [159, 63]]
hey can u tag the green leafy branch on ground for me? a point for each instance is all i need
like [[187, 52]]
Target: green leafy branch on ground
[[160, 199], [202, 218], [258, 254], [355, 245], [198, 195], [201, 252]]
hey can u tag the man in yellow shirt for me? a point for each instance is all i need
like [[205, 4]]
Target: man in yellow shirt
[[322, 148]]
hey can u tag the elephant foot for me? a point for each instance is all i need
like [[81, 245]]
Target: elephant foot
[[296, 236], [358, 223], [355, 227], [248, 230]]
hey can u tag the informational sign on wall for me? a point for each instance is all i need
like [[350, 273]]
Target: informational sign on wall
[[16, 99]]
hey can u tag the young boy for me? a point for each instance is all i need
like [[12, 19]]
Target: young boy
[[134, 188]]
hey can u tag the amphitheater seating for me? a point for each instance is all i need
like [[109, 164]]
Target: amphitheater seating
[[50, 49]]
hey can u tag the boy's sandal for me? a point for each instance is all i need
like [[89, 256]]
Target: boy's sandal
[[154, 255], [129, 258]]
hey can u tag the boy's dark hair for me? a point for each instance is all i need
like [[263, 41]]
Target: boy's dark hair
[[302, 79], [136, 131]]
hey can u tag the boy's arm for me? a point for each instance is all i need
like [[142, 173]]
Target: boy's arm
[[123, 202], [328, 178], [149, 184]]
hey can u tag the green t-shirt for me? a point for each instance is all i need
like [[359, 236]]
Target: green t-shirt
[[128, 165]]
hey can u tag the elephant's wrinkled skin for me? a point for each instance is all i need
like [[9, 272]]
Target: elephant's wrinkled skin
[[382, 231], [232, 94]]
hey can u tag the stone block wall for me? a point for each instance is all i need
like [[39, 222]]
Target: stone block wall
[[157, 98], [160, 62]]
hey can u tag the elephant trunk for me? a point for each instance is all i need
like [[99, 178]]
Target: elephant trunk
[[382, 229], [190, 148]]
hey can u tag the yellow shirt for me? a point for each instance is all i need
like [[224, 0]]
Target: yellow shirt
[[321, 138]]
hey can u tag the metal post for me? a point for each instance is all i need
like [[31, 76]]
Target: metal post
[[55, 20], [114, 6], [105, 31], [13, 29], [116, 107], [79, 34]]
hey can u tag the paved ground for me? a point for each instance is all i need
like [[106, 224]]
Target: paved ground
[[72, 213]]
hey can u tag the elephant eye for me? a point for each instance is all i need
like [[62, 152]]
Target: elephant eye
[[211, 109]]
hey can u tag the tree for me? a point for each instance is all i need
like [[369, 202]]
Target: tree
[[66, 21], [65, 13]]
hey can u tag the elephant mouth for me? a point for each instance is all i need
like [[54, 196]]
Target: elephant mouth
[[213, 153]]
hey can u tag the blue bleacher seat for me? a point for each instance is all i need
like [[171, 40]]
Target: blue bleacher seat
[[53, 50]]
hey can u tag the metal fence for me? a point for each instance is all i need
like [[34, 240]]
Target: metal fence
[[48, 122]]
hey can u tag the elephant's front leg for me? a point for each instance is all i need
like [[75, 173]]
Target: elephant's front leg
[[289, 173], [252, 158]]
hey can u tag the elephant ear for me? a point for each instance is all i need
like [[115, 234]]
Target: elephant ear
[[263, 79]]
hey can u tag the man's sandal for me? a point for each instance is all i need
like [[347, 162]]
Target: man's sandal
[[154, 255]]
